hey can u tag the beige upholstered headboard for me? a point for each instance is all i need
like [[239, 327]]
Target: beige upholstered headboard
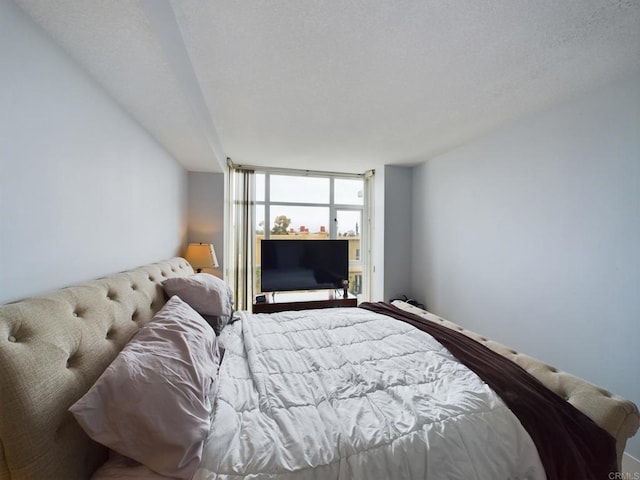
[[53, 347]]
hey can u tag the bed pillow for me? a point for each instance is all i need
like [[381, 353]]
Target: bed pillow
[[206, 293], [152, 403]]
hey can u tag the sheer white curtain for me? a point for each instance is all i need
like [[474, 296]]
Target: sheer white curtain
[[368, 240], [241, 238]]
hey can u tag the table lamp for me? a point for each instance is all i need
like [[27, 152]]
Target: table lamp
[[201, 255]]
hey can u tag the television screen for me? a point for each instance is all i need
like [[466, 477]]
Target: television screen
[[303, 264]]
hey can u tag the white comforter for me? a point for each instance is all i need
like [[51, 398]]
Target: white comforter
[[347, 393]]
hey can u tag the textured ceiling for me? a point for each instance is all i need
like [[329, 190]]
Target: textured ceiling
[[339, 85]]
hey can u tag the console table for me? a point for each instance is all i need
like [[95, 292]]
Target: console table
[[304, 301]]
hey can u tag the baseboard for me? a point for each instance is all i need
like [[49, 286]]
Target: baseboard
[[630, 465]]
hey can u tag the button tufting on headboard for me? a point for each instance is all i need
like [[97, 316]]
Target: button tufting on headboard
[[56, 346]]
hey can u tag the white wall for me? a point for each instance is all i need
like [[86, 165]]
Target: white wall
[[84, 191], [206, 212], [397, 232], [531, 236]]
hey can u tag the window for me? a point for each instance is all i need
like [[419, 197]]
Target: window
[[358, 284], [312, 206]]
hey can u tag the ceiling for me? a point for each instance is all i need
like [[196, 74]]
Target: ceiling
[[339, 85]]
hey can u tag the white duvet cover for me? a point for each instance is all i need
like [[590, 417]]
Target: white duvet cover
[[350, 394]]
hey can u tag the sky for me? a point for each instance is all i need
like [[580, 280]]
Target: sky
[[315, 192]]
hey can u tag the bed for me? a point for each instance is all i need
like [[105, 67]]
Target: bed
[[54, 347]]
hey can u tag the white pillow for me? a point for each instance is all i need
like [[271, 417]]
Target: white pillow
[[206, 293], [152, 403]]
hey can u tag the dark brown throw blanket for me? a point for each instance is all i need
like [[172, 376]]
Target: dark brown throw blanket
[[570, 444]]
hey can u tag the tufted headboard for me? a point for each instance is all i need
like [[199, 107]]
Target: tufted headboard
[[53, 347]]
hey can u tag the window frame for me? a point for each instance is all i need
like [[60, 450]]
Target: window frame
[[334, 208]]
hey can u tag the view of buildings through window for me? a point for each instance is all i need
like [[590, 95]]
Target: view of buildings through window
[[311, 207]]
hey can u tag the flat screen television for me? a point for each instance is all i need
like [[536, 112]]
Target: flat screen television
[[288, 265]]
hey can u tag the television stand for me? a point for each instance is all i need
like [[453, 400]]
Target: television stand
[[304, 301]]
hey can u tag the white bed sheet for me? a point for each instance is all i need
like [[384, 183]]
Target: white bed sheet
[[349, 394]]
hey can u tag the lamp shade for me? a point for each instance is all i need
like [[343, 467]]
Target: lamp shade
[[201, 255]]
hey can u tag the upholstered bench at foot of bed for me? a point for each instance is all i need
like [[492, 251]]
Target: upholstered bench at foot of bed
[[616, 415]]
